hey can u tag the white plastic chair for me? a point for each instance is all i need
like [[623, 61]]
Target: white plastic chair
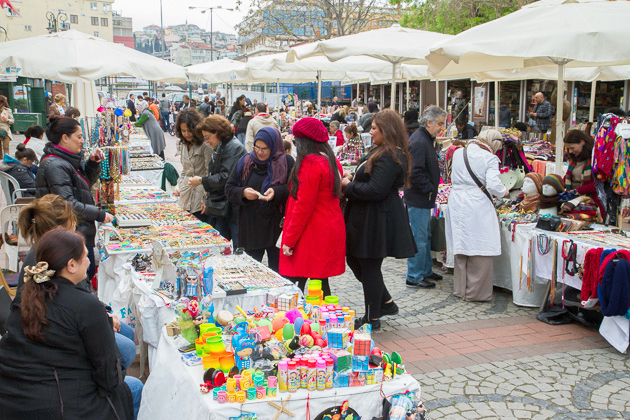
[[8, 224], [11, 188]]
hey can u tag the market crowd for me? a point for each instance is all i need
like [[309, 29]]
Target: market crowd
[[65, 355]]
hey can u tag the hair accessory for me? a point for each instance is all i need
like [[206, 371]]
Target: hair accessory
[[40, 273]]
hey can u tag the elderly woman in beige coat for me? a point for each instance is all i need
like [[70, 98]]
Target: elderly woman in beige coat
[[6, 120], [195, 158], [472, 227]]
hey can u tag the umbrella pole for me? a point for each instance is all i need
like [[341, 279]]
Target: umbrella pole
[[407, 107], [560, 119], [496, 104], [591, 110], [437, 92], [319, 93], [278, 94], [392, 104]]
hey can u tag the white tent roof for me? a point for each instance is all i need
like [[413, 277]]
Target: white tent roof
[[582, 32], [73, 56], [319, 63]]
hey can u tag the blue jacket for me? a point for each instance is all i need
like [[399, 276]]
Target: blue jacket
[[22, 173]]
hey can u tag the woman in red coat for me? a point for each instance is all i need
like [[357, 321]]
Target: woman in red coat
[[314, 235]]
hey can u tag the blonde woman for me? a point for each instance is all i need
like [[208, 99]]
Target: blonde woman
[[6, 121], [59, 106]]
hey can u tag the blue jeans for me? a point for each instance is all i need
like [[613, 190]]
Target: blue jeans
[[227, 229], [420, 265], [126, 346], [135, 385], [165, 119]]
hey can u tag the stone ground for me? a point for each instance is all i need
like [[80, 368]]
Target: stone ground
[[491, 360]]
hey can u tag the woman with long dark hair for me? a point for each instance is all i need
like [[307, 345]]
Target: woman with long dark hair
[[313, 236], [257, 187], [62, 171], [195, 157], [59, 357], [377, 224]]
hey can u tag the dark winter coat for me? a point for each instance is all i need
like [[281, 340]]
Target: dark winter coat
[[75, 373], [224, 159], [63, 173], [22, 174], [242, 124], [258, 220], [131, 106], [425, 171], [469, 132], [377, 224]]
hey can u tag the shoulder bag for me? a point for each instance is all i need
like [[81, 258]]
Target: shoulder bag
[[474, 177]]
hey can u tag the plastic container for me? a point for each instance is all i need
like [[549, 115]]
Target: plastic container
[[311, 383], [331, 299], [321, 375], [283, 375], [293, 377], [330, 365], [208, 274]]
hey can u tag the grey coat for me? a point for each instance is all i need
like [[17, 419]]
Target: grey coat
[[153, 131]]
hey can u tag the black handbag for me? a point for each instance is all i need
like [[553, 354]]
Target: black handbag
[[3, 133], [550, 224], [217, 207]]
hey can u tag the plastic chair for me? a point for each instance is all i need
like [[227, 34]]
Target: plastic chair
[[9, 217], [5, 309], [11, 188]]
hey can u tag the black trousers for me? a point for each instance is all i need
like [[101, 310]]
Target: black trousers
[[273, 256], [301, 282], [368, 272]]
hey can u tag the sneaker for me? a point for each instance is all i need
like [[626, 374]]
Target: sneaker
[[434, 276], [423, 284], [389, 309], [376, 323]]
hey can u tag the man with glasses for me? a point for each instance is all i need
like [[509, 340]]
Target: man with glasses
[[260, 120]]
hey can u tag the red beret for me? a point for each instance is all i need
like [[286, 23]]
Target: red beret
[[310, 128]]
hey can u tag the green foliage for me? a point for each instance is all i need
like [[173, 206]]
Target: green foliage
[[454, 16], [21, 105]]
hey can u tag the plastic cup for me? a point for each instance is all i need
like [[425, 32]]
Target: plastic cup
[[241, 397], [261, 392], [199, 347], [251, 393], [238, 379], [222, 397], [210, 361], [204, 327], [227, 361], [272, 381], [231, 385], [214, 345], [331, 299], [271, 392], [246, 382], [231, 396]]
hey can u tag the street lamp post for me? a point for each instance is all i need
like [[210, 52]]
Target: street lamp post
[[55, 22], [204, 10]]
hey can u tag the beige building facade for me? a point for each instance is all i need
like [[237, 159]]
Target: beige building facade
[[91, 17]]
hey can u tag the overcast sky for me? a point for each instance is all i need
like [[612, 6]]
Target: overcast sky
[[175, 12]]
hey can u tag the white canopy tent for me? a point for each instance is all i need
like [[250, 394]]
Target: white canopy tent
[[77, 58], [563, 33], [394, 45]]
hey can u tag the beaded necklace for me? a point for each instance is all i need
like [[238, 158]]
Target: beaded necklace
[[544, 244]]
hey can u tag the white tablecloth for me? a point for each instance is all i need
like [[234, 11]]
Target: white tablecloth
[[153, 175], [172, 392]]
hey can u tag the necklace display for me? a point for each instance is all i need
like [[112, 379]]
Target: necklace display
[[544, 244]]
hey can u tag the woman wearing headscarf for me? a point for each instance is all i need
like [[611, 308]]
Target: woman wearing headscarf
[[314, 235], [257, 187], [472, 228]]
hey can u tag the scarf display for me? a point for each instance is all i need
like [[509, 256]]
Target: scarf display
[[547, 202], [530, 203], [277, 173]]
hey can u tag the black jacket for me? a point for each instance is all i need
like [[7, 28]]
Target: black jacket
[[377, 224], [411, 127], [258, 220], [204, 109], [63, 173], [76, 368], [22, 174], [131, 106], [242, 124], [224, 159], [425, 172]]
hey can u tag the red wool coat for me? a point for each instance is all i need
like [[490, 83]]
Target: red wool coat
[[313, 225]]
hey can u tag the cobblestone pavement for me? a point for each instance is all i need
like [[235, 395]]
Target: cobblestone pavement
[[495, 360]]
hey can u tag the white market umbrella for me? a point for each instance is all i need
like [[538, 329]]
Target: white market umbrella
[[394, 45], [565, 33], [72, 56], [85, 98]]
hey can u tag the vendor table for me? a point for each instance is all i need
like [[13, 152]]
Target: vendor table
[[152, 175], [172, 391]]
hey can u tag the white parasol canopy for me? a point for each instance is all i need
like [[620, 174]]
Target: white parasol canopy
[[395, 45], [566, 33], [72, 56]]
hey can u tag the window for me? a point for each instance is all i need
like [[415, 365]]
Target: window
[[28, 28], [107, 8], [96, 34], [93, 5], [11, 13], [74, 18], [94, 21], [104, 22]]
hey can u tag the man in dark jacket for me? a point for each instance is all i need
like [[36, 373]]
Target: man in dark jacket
[[131, 106], [420, 197], [466, 131]]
